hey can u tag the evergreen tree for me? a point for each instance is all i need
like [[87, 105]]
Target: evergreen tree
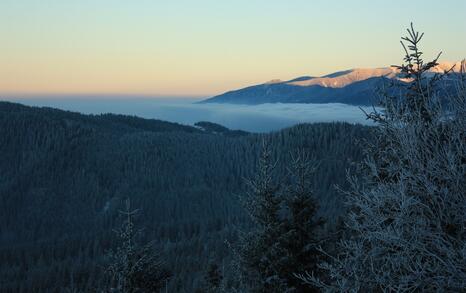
[[408, 216], [213, 278], [259, 248], [286, 235], [135, 268], [302, 233]]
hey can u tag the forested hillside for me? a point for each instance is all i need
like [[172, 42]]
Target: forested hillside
[[65, 175]]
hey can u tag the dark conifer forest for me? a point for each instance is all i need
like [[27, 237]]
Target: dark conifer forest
[[232, 146], [65, 178]]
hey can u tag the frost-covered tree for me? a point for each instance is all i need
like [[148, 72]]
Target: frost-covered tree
[[134, 268], [302, 233], [408, 216], [285, 238], [259, 248], [213, 278]]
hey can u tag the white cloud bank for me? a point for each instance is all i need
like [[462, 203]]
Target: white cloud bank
[[255, 118]]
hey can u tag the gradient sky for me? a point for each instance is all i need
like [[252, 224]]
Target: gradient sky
[[201, 48]]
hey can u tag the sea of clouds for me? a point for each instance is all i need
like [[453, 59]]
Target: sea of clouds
[[254, 118]]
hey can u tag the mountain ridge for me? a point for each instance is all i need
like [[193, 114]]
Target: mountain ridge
[[355, 86]]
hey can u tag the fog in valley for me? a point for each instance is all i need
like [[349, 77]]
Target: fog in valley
[[253, 118]]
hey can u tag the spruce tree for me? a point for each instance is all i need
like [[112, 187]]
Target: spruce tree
[[408, 214], [134, 268], [302, 234], [213, 278], [286, 233], [259, 248]]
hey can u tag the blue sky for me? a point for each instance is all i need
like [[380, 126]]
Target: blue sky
[[201, 48]]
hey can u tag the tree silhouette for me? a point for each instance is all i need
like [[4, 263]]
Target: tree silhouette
[[408, 213], [134, 268]]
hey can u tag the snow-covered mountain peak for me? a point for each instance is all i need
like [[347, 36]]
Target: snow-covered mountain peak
[[344, 78]]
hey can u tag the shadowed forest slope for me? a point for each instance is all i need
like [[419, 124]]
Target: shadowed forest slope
[[65, 175]]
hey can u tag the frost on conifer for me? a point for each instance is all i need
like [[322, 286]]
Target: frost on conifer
[[407, 215], [134, 268]]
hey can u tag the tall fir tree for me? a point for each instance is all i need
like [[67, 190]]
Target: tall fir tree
[[302, 233], [134, 268], [259, 248], [213, 278], [286, 234], [408, 216]]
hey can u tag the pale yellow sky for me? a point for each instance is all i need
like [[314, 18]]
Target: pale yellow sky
[[202, 48]]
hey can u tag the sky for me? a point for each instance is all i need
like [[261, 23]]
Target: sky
[[201, 48]]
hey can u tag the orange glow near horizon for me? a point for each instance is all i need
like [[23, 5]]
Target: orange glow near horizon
[[205, 47]]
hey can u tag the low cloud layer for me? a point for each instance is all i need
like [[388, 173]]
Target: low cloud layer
[[257, 118]]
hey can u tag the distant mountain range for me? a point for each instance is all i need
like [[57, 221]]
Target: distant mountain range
[[355, 87]]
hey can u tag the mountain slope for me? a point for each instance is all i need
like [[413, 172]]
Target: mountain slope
[[64, 177], [354, 87]]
